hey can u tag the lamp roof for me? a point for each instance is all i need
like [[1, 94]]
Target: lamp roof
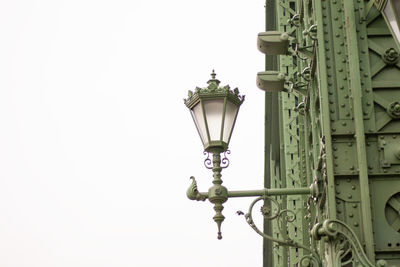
[[212, 91]]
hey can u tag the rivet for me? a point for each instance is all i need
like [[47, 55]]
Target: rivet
[[342, 105], [354, 205], [333, 129], [344, 123], [356, 224], [349, 144], [353, 187], [337, 192], [351, 215]]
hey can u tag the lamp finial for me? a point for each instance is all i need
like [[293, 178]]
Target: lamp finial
[[213, 82]]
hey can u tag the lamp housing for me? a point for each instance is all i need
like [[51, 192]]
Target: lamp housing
[[214, 110]]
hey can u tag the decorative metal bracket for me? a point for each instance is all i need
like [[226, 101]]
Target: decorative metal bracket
[[283, 216], [346, 245], [218, 194]]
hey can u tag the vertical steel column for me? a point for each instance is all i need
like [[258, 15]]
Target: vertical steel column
[[271, 131], [326, 127], [355, 85]]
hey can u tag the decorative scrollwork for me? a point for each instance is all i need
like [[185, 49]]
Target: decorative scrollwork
[[225, 160], [309, 261], [192, 193], [272, 211], [344, 241], [208, 162]]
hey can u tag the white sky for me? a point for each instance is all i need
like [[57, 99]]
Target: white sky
[[96, 145]]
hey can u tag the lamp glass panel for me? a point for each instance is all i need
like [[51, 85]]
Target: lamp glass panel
[[198, 117], [392, 13], [214, 109], [230, 117]]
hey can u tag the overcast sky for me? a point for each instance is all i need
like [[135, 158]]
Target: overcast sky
[[96, 145]]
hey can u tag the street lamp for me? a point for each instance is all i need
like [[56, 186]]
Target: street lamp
[[214, 110], [390, 10]]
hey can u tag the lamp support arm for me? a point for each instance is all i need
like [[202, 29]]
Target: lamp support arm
[[193, 194]]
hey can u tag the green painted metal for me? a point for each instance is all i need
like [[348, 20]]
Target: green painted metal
[[356, 92], [343, 73], [332, 171]]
